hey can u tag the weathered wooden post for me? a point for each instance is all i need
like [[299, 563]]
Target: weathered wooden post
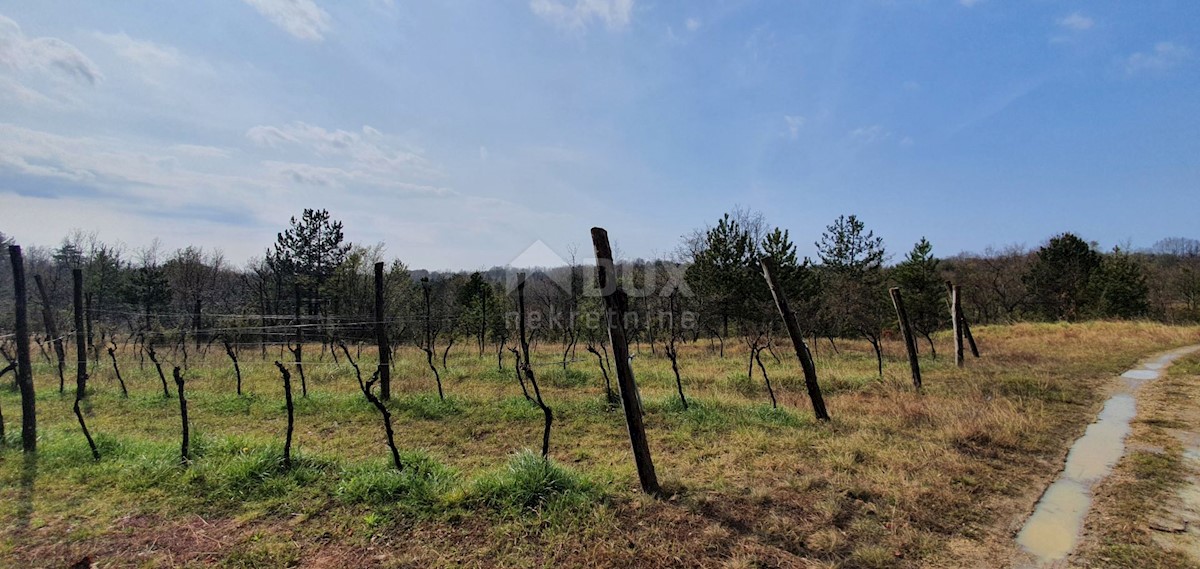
[[298, 351], [385, 368], [966, 326], [80, 339], [52, 329], [793, 329], [183, 446], [287, 395], [24, 369], [957, 323], [614, 313], [910, 343]]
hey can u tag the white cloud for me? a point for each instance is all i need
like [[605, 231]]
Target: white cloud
[[14, 91], [870, 134], [1077, 22], [793, 122], [303, 19], [1164, 56], [44, 54], [614, 14], [141, 52], [338, 158], [969, 3], [692, 24]]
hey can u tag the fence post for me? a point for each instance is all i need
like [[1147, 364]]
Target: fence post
[[385, 368], [793, 329], [956, 321], [910, 343], [52, 329], [614, 304], [24, 371], [80, 342]]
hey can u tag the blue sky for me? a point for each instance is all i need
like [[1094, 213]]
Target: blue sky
[[459, 132]]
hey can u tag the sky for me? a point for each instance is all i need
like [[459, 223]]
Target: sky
[[461, 132]]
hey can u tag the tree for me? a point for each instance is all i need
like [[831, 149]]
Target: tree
[[1119, 286], [310, 251], [856, 301], [721, 271], [474, 300], [1059, 280], [919, 278]]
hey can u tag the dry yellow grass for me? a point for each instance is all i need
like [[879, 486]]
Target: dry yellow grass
[[897, 478]]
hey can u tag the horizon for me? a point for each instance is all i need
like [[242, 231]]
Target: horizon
[[459, 135]]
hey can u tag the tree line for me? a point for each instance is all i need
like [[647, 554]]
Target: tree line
[[710, 289]]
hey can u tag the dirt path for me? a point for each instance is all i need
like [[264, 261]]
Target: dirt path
[[1053, 531]]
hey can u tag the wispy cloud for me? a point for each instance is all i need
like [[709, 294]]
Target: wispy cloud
[[1164, 56], [692, 24], [1076, 22], [141, 52], [793, 123], [45, 54], [337, 158], [614, 14], [303, 19], [970, 3], [870, 134]]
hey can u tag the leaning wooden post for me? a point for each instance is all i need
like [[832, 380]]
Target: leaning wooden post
[[385, 368], [24, 371], [614, 313], [910, 342], [52, 329], [80, 339], [793, 329], [957, 323], [183, 446]]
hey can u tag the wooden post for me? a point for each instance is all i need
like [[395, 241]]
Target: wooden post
[[183, 446], [956, 322], [614, 313], [24, 371], [87, 314], [962, 320], [287, 394], [793, 329], [385, 368], [52, 329], [910, 342], [80, 338], [298, 351]]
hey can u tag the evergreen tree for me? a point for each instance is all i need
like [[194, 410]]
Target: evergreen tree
[[1059, 280], [1119, 286], [920, 281]]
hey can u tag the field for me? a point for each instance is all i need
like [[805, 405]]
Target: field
[[896, 479]]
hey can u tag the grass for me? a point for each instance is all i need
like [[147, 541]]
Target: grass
[[897, 478]]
